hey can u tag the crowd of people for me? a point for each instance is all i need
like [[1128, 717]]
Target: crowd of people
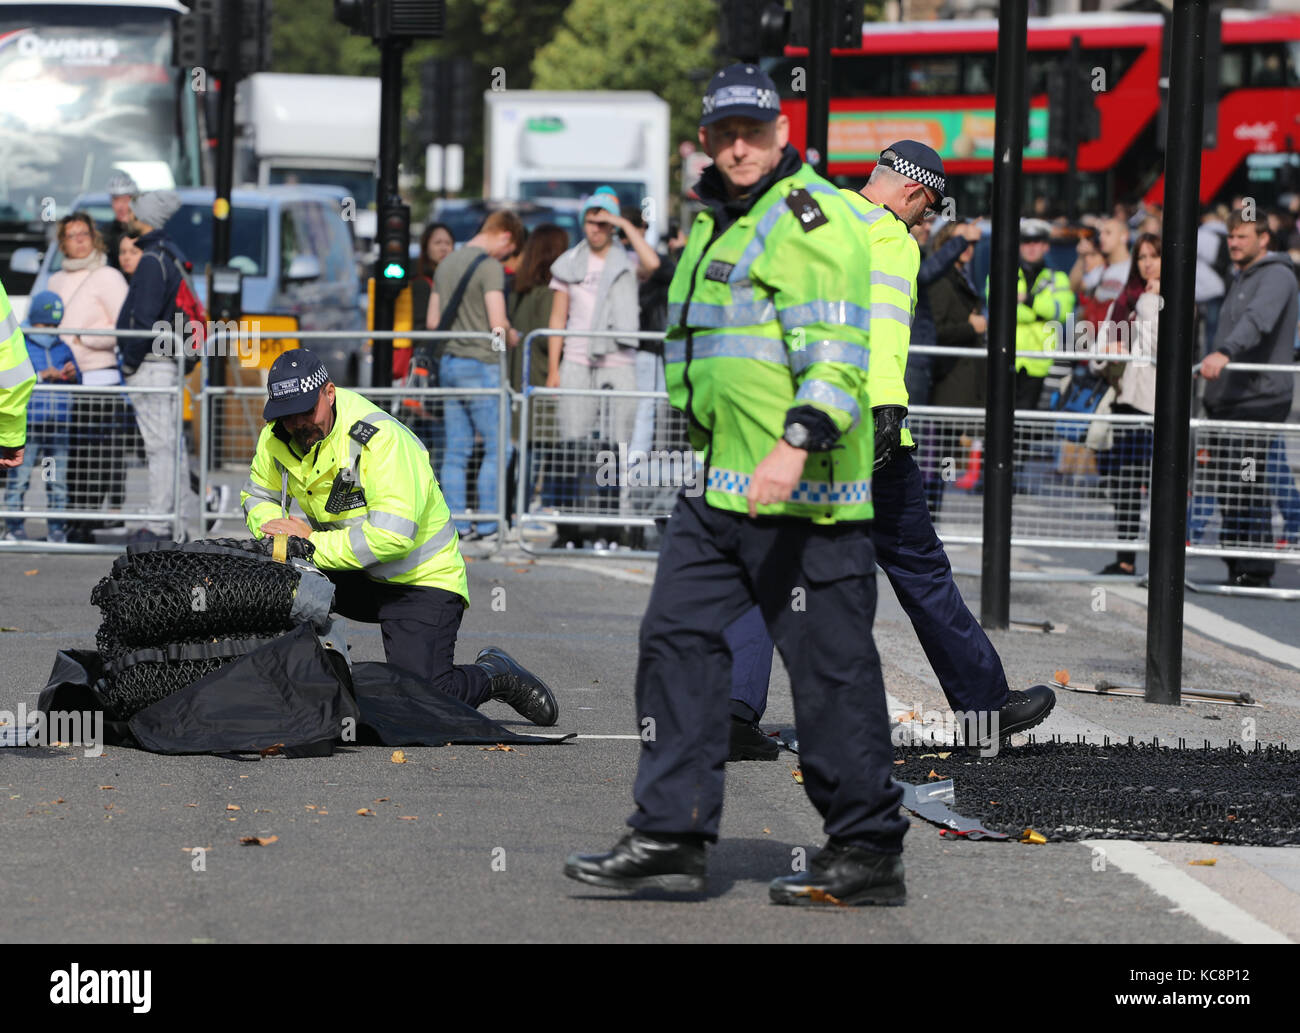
[[1247, 265], [125, 277], [612, 280], [507, 280]]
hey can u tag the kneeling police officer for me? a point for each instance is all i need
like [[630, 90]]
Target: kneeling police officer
[[381, 530]]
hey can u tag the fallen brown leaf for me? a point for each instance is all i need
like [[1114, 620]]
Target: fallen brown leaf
[[1062, 676], [270, 751], [934, 774], [911, 715], [382, 799], [407, 817], [29, 573], [1030, 836], [365, 810], [798, 775], [258, 840], [108, 787], [233, 807], [191, 805], [1209, 862], [398, 757], [822, 897], [499, 746]]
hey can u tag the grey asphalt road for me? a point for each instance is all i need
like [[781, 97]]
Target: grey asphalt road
[[466, 844]]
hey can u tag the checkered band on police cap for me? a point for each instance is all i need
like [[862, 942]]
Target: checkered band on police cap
[[916, 161], [294, 383]]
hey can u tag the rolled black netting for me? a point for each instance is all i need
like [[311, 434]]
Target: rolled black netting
[[174, 613], [1069, 791]]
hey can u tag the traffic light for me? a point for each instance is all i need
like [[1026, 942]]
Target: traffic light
[[192, 34], [254, 36], [1059, 138], [748, 29], [392, 19], [846, 24], [394, 247], [447, 105], [1072, 114]]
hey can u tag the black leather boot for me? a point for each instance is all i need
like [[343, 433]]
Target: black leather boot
[[844, 876], [519, 688], [639, 862]]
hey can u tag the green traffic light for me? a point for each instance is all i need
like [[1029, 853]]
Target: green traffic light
[[394, 271]]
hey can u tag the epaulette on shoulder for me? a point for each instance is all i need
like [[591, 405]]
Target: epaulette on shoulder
[[361, 432]]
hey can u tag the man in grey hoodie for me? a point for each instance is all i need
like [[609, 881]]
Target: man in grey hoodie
[[1257, 325]]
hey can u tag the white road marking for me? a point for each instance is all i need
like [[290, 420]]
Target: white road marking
[[604, 567], [586, 736], [1193, 898], [1227, 631]]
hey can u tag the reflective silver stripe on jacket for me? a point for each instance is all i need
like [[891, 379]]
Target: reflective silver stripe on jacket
[[867, 217], [15, 376], [351, 474], [284, 488], [829, 351], [727, 346], [8, 325], [431, 548], [392, 522], [884, 310], [834, 313], [255, 491], [899, 283], [712, 317], [829, 394]]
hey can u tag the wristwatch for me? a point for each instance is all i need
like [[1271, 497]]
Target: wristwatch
[[796, 435]]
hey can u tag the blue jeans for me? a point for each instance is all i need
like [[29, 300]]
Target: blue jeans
[[47, 447], [465, 418]]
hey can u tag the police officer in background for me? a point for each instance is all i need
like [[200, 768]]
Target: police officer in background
[[767, 354], [382, 531], [17, 378], [906, 182]]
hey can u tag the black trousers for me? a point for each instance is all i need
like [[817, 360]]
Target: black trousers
[[419, 625], [815, 587], [1238, 466]]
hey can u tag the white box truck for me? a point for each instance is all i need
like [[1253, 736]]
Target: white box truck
[[543, 144], [312, 129]]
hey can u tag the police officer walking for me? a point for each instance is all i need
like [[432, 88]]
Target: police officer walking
[[907, 182], [767, 354], [381, 530]]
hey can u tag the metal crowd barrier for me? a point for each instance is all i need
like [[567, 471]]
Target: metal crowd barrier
[[235, 414], [85, 464], [602, 464], [598, 466]]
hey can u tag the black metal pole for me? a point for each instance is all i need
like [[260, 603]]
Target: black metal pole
[[999, 430], [1169, 466], [1072, 132], [390, 128], [225, 170], [819, 85]]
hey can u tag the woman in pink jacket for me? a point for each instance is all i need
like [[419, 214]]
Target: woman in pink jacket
[[92, 292]]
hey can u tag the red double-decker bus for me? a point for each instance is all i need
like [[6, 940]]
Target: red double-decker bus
[[934, 81]]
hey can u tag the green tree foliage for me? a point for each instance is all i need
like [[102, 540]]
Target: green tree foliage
[[665, 47]]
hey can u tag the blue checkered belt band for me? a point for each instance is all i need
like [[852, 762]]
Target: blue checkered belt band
[[815, 492]]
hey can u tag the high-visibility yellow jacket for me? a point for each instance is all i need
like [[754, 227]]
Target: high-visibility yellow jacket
[[769, 315], [895, 260], [1040, 316], [17, 377], [368, 492]]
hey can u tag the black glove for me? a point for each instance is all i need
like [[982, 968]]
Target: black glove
[[889, 431]]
